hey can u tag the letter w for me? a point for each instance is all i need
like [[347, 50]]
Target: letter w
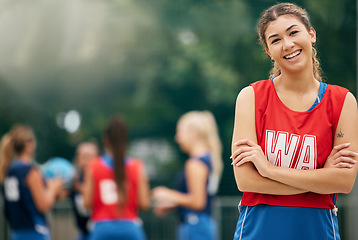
[[280, 149]]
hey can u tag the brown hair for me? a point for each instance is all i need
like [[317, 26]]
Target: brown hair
[[12, 144], [281, 9], [115, 139]]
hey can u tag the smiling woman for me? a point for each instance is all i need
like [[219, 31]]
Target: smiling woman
[[289, 43], [294, 140]]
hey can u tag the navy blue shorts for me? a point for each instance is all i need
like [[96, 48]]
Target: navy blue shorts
[[120, 229], [282, 223], [29, 235], [197, 227]]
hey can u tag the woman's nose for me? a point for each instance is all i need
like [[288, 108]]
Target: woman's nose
[[287, 43]]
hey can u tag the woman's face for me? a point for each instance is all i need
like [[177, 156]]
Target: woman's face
[[289, 43], [84, 154], [185, 136]]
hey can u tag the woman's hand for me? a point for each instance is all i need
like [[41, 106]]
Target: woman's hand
[[340, 157], [162, 194], [249, 151], [163, 204], [161, 209], [55, 185]]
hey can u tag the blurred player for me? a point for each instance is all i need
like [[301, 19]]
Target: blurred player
[[116, 187], [197, 135], [26, 195], [84, 153]]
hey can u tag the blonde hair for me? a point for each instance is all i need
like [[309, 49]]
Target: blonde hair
[[281, 9], [204, 123], [12, 144]]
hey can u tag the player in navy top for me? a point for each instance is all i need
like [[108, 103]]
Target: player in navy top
[[26, 196], [197, 136], [85, 151], [182, 187]]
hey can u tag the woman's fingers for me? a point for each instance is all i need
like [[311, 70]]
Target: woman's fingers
[[339, 148], [240, 151], [345, 160], [245, 145], [346, 153], [240, 159], [344, 156], [344, 165], [247, 142]]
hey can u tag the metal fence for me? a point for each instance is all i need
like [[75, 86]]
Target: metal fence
[[62, 222], [225, 212]]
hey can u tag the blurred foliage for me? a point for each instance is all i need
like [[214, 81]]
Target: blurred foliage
[[149, 60]]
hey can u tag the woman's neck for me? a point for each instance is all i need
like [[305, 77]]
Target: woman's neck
[[24, 157], [298, 93], [299, 83], [198, 149]]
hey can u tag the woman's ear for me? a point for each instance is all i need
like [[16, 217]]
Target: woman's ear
[[268, 53], [312, 33]]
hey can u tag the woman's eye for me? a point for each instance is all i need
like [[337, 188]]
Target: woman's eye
[[275, 40], [293, 33]]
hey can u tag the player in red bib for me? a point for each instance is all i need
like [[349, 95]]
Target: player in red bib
[[295, 138], [115, 188]]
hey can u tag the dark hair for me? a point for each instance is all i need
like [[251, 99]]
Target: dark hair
[[281, 9], [115, 139]]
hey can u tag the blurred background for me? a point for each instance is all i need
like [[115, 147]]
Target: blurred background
[[67, 66]]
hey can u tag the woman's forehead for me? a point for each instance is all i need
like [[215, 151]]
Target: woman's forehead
[[282, 23]]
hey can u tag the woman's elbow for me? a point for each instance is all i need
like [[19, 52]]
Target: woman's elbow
[[44, 207], [145, 205], [347, 188], [87, 203], [198, 205], [349, 181], [242, 185]]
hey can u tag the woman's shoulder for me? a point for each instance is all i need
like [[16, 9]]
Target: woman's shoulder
[[19, 166], [337, 89], [258, 86], [247, 96], [194, 163], [205, 159], [337, 93], [132, 162], [262, 83]]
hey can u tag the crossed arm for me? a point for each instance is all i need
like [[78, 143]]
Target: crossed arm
[[253, 173]]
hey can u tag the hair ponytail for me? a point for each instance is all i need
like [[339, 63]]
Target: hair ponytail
[[6, 154], [205, 125], [116, 137], [214, 143]]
